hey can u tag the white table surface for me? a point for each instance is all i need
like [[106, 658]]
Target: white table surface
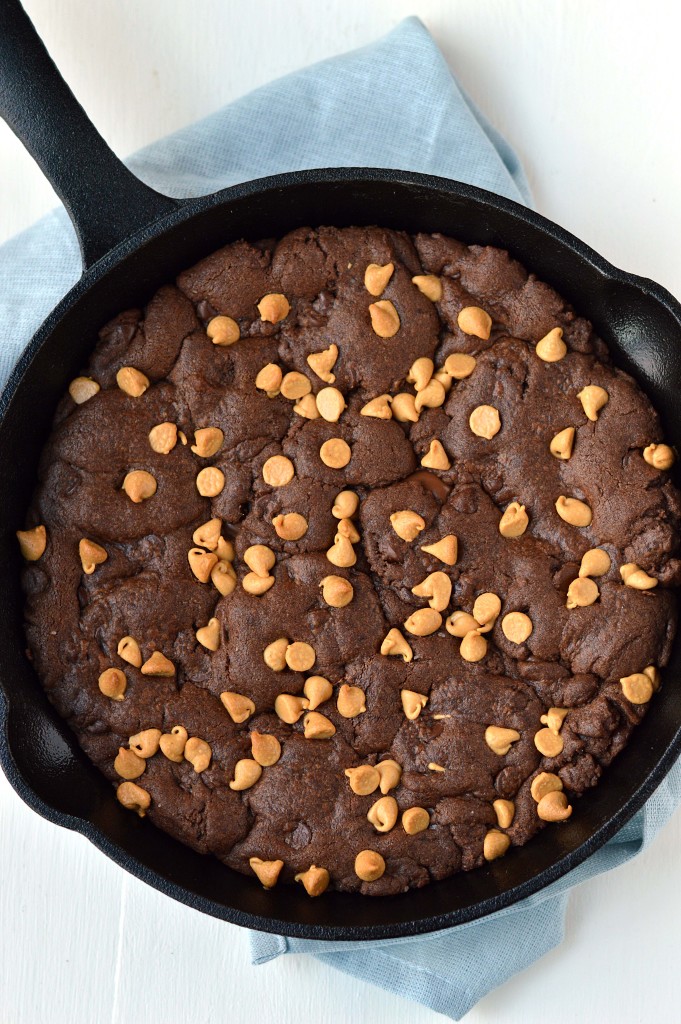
[[589, 95]]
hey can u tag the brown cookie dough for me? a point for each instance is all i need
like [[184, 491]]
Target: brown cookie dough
[[301, 630]]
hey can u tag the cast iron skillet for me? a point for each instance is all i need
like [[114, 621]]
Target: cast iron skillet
[[133, 240]]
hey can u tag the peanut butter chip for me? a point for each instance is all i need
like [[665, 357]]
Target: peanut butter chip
[[595, 562], [209, 636], [573, 511], [163, 438], [633, 576], [330, 404], [274, 307], [390, 774], [172, 743], [32, 543], [403, 408], [207, 441], [545, 782], [246, 774], [593, 399], [486, 609], [516, 627], [113, 684], [659, 456], [407, 524], [208, 534], [317, 689], [548, 743], [434, 767], [420, 372], [423, 622], [224, 548], [514, 521], [552, 348], [315, 880], [158, 665], [473, 646], [335, 453], [82, 389], [257, 585], [345, 506], [268, 871], [145, 743], [437, 587], [445, 550], [554, 719], [223, 330], [274, 654], [376, 277], [91, 555], [581, 593], [210, 482], [432, 396], [269, 379], [495, 844], [300, 657], [460, 624], [637, 688], [554, 807], [413, 703], [351, 701], [260, 559], [395, 645], [383, 814], [378, 408], [295, 385], [415, 820], [223, 578], [290, 526], [133, 798], [128, 765], [485, 422], [460, 365], [499, 739], [139, 485], [562, 444], [505, 812], [475, 321], [238, 707], [278, 471], [429, 285], [307, 407], [132, 381], [384, 318], [337, 591], [369, 865], [317, 726], [198, 753], [347, 528], [364, 779], [201, 563], [323, 362], [436, 457], [129, 650]]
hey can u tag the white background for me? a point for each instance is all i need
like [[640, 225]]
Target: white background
[[589, 94]]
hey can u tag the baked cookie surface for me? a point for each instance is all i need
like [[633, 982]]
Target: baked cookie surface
[[352, 558]]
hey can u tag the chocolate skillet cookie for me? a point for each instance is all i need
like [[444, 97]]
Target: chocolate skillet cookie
[[352, 558]]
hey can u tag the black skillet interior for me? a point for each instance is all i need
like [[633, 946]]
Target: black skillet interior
[[640, 322]]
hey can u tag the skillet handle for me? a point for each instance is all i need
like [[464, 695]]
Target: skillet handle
[[105, 201]]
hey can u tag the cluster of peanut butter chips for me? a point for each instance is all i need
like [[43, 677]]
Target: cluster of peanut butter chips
[[352, 558]]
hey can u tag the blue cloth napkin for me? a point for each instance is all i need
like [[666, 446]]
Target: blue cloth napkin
[[392, 104]]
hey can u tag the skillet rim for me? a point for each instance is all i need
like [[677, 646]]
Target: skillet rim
[[186, 210]]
